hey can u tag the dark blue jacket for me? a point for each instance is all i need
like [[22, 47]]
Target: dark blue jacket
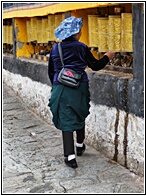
[[76, 55]]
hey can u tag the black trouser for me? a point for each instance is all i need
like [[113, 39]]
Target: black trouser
[[68, 140]]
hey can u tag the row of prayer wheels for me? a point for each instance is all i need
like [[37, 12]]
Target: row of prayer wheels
[[42, 29], [112, 33]]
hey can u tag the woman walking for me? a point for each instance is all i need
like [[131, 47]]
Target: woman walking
[[70, 106]]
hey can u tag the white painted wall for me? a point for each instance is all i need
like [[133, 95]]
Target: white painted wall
[[100, 124]]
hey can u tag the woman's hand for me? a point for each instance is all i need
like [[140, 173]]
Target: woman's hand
[[110, 55]]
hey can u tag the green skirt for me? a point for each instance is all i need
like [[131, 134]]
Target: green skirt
[[69, 106]]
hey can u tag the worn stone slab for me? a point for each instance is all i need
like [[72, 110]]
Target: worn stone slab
[[33, 160]]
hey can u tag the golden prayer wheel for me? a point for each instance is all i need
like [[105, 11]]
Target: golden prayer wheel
[[126, 42], [39, 37], [93, 23], [126, 22], [45, 35], [10, 35], [93, 39], [39, 25], [51, 34], [29, 30], [44, 24], [102, 42], [114, 42], [34, 35], [58, 19], [45, 29], [93, 30], [39, 31], [102, 25], [7, 31], [114, 24], [51, 20], [33, 29], [4, 34], [33, 23], [126, 32], [103, 34], [114, 29]]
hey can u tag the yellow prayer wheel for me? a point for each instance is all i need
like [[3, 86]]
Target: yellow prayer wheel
[[29, 30], [114, 29], [39, 37], [4, 33], [34, 22], [45, 36], [45, 24], [93, 23], [39, 31], [39, 25], [10, 41], [45, 29], [114, 24], [58, 19], [114, 42], [102, 34], [126, 42], [52, 34], [126, 22], [102, 42], [126, 32], [34, 29], [102, 25], [51, 20], [93, 39], [93, 30], [8, 34], [51, 27]]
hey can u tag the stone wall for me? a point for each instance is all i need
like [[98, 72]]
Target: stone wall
[[110, 128]]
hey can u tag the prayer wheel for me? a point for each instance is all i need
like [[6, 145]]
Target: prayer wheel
[[93, 30], [103, 34], [34, 29], [4, 31], [34, 23], [29, 30], [39, 31], [45, 30], [51, 27], [58, 19], [114, 24], [114, 29], [126, 42], [51, 20], [10, 41], [126, 32], [102, 25], [126, 22], [7, 30]]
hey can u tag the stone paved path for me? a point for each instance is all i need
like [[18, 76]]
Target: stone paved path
[[33, 159]]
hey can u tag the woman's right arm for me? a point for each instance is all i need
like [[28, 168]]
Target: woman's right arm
[[96, 64]]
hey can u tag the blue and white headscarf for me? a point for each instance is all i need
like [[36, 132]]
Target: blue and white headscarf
[[68, 27]]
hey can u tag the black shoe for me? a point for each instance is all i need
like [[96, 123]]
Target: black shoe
[[72, 163], [80, 150]]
